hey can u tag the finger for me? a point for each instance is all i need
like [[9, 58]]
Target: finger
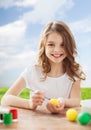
[[39, 103], [61, 106], [59, 109], [55, 109], [32, 105], [37, 100], [39, 92], [49, 107], [61, 101], [37, 96]]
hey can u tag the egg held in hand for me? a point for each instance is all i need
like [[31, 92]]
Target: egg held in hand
[[54, 101]]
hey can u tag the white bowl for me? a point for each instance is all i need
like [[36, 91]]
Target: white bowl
[[86, 109], [86, 106]]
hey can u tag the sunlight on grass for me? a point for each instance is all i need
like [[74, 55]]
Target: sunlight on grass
[[85, 93], [24, 94]]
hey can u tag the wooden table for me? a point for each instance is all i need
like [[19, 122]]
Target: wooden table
[[43, 120]]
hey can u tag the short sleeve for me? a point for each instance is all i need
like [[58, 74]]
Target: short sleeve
[[27, 75]]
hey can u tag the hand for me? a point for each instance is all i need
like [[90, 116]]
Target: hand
[[37, 99], [56, 109]]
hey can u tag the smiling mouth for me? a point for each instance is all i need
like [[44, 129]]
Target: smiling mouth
[[57, 55]]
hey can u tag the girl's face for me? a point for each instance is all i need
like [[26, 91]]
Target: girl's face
[[54, 48]]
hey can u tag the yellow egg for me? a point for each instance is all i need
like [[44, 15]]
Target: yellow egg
[[54, 102], [71, 114]]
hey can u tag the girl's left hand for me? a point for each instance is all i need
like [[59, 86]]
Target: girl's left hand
[[55, 109]]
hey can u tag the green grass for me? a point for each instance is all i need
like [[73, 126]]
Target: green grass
[[85, 93], [24, 94], [2, 91]]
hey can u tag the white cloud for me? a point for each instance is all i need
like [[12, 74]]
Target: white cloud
[[16, 61], [25, 3], [81, 26], [12, 32], [19, 3], [44, 12]]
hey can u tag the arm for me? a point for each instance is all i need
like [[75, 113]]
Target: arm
[[11, 97], [74, 97]]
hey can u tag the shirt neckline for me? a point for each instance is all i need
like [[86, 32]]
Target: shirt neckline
[[49, 77]]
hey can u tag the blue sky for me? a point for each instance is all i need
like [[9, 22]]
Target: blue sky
[[21, 22]]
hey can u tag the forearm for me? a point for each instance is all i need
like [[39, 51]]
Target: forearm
[[11, 100], [72, 102]]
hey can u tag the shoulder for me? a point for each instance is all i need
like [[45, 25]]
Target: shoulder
[[31, 73], [32, 68], [74, 78], [77, 83], [73, 83]]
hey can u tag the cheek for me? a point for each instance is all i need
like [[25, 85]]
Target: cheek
[[64, 50], [47, 50]]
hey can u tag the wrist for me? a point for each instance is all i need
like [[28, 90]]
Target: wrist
[[31, 105], [62, 101]]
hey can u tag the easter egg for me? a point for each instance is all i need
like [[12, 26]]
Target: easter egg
[[71, 114], [84, 118], [54, 102]]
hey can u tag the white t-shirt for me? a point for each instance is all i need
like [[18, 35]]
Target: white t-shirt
[[53, 87]]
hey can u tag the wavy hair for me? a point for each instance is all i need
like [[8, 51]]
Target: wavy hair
[[72, 68]]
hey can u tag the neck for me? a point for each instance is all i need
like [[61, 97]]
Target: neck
[[56, 70]]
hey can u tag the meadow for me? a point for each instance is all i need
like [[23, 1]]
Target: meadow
[[85, 93]]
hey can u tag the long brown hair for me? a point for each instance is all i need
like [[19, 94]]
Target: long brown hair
[[72, 68]]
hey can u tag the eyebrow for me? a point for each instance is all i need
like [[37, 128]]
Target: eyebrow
[[51, 41], [54, 42]]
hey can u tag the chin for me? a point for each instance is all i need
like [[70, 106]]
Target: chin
[[56, 62]]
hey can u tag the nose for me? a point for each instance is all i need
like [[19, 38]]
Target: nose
[[57, 49]]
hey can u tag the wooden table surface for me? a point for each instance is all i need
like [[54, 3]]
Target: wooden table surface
[[43, 120]]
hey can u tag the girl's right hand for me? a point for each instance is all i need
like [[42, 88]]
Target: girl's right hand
[[37, 99]]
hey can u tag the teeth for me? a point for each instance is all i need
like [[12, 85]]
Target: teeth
[[57, 55]]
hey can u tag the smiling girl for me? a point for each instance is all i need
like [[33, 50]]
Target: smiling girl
[[56, 74]]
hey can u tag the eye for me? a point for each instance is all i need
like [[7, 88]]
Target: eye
[[50, 44], [62, 45]]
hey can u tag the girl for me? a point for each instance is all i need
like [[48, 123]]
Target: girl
[[56, 74]]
